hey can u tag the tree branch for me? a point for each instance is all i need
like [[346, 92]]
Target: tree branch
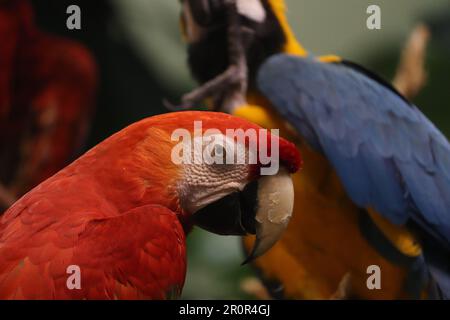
[[254, 287], [344, 290], [411, 75], [7, 199]]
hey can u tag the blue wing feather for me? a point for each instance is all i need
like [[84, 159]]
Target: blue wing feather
[[362, 126], [388, 155]]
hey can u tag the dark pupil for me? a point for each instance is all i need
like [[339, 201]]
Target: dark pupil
[[218, 149]]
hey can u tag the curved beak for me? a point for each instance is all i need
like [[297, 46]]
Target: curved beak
[[275, 206], [263, 208]]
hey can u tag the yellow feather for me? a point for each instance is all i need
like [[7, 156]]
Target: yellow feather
[[292, 46], [329, 59], [323, 241], [399, 236]]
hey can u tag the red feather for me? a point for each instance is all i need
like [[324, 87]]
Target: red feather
[[47, 87], [114, 212]]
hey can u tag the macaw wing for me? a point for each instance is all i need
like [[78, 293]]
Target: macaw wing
[[388, 155], [139, 254]]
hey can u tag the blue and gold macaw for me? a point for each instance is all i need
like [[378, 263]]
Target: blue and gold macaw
[[375, 188]]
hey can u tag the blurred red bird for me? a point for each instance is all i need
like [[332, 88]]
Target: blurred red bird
[[47, 87], [120, 213]]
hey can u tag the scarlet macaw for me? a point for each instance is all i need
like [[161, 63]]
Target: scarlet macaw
[[47, 88], [120, 213], [375, 189]]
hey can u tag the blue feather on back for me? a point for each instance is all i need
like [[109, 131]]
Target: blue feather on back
[[388, 155]]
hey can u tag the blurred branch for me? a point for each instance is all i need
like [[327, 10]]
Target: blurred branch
[[254, 287], [411, 75], [6, 198], [36, 150]]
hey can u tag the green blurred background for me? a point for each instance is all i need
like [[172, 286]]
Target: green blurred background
[[141, 58]]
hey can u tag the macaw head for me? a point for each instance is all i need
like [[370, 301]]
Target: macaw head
[[220, 172], [205, 26]]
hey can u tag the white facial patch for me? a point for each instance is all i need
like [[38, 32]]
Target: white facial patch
[[252, 9], [207, 179]]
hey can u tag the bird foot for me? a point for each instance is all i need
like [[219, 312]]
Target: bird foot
[[219, 86], [228, 89]]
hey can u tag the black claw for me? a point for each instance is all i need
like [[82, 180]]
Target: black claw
[[172, 107], [169, 105], [249, 259], [251, 256]]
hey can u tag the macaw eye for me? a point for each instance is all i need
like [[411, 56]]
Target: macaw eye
[[219, 153]]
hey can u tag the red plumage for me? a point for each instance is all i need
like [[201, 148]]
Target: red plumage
[[47, 86], [115, 212]]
